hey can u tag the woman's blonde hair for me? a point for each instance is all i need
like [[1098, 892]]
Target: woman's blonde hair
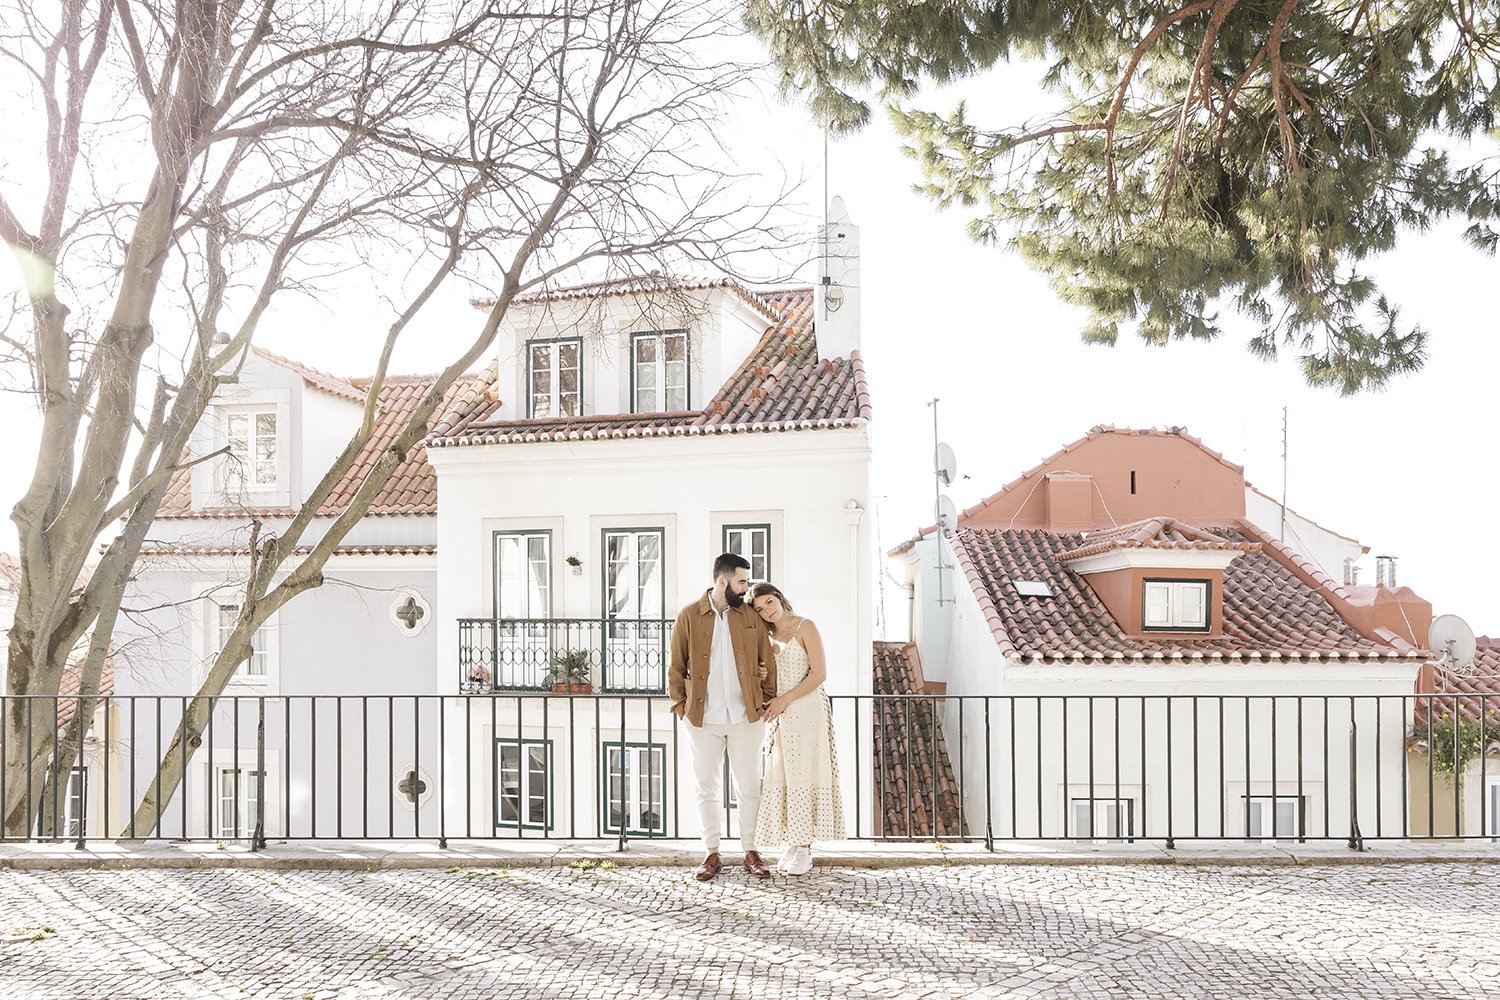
[[769, 590]]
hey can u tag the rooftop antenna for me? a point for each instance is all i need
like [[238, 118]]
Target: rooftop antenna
[[945, 515], [1283, 474], [1452, 642], [824, 278]]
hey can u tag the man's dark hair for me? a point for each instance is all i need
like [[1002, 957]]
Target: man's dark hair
[[726, 564]]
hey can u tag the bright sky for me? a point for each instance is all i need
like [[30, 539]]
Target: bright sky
[[1406, 472]]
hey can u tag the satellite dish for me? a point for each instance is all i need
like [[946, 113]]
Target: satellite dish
[[946, 515], [1452, 641], [945, 465]]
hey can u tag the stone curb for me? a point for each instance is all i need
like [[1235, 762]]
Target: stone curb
[[413, 856]]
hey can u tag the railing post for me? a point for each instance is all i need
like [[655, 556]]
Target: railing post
[[989, 823], [83, 776], [442, 706], [1171, 840], [1356, 840], [620, 846], [258, 839]]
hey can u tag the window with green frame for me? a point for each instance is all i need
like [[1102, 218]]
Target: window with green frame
[[659, 371], [554, 377], [635, 784], [523, 784], [753, 542]]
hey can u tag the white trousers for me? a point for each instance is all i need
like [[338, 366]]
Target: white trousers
[[742, 742]]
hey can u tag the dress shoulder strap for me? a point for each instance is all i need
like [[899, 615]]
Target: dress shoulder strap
[[796, 630]]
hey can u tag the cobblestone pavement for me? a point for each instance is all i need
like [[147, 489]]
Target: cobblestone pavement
[[1418, 931]]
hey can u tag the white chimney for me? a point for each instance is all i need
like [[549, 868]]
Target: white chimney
[[836, 294]]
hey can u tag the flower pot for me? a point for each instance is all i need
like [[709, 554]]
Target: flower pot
[[570, 687]]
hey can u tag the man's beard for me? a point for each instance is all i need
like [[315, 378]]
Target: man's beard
[[732, 599]]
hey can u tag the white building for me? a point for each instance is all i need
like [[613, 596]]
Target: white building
[[638, 432], [624, 435]]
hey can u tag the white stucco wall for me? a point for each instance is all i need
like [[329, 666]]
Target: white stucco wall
[[338, 639], [939, 585], [1040, 763], [326, 424], [1326, 548]]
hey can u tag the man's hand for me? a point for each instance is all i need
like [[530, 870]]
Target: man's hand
[[761, 671]]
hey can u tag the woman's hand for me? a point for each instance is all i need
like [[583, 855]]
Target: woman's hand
[[775, 707]]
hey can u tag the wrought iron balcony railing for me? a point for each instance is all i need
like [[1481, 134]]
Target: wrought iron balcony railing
[[573, 655]]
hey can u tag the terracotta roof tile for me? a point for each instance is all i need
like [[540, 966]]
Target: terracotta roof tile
[[1156, 533], [781, 386], [1482, 679], [411, 488], [301, 550], [1269, 612], [67, 688], [919, 794]]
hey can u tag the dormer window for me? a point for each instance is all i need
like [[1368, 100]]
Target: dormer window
[[1175, 605], [251, 439], [554, 377], [659, 371]]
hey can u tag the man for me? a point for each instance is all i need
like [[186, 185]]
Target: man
[[722, 677]]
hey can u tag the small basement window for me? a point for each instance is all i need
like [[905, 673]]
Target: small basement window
[[1175, 605]]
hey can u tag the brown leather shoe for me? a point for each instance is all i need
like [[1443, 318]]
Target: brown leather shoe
[[755, 866], [708, 869]]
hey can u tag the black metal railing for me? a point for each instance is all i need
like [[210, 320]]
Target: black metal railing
[[1101, 767], [615, 655]]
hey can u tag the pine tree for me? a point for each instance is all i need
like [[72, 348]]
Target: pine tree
[[1212, 156]]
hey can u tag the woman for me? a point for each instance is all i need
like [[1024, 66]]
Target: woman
[[800, 795]]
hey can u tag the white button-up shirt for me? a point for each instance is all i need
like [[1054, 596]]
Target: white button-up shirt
[[724, 702]]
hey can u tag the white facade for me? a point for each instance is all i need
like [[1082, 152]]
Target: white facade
[[810, 489]]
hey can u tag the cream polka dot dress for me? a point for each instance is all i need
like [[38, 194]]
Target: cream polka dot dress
[[799, 799]]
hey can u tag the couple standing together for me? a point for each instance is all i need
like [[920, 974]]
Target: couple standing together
[[746, 677]]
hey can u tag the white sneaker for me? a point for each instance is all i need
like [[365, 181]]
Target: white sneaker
[[800, 861]]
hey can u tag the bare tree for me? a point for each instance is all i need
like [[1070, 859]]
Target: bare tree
[[202, 158]]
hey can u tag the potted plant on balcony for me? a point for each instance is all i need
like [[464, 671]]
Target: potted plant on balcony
[[477, 681], [570, 671]]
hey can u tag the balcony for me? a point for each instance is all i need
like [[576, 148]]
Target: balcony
[[578, 655]]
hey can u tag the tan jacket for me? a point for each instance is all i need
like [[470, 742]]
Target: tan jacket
[[687, 680]]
